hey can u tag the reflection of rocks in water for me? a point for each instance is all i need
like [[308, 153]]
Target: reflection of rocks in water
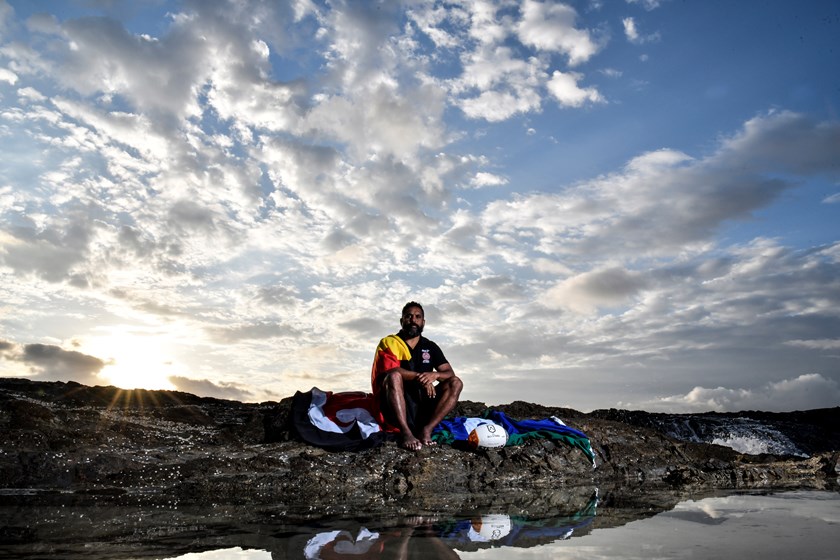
[[66, 527], [700, 517], [69, 528]]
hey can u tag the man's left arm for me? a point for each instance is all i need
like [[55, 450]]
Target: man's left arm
[[428, 379]]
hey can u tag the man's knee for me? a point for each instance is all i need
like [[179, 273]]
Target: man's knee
[[454, 384], [392, 380]]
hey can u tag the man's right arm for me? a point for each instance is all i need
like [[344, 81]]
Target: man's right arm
[[406, 374]]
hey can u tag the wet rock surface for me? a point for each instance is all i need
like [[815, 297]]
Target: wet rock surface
[[172, 447], [146, 473]]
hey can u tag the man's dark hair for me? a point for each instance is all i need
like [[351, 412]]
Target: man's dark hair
[[411, 304]]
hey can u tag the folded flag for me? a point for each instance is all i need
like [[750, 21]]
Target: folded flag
[[519, 431], [336, 421]]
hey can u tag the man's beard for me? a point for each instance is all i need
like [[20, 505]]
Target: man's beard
[[412, 331]]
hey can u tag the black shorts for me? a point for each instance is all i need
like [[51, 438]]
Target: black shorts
[[419, 406]]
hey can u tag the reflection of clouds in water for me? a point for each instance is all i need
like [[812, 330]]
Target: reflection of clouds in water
[[799, 524], [819, 506], [227, 554], [816, 506], [709, 511], [341, 542]]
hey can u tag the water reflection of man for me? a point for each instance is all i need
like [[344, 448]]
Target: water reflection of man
[[412, 380], [416, 539]]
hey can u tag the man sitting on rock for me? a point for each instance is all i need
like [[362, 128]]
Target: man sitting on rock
[[413, 383]]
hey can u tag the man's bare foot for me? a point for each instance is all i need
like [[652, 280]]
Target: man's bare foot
[[411, 443], [426, 437]]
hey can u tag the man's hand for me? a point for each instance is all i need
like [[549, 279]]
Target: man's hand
[[428, 381]]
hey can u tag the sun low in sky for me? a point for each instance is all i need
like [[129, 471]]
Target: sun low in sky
[[624, 203], [132, 358]]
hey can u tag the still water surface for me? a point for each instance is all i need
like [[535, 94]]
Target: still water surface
[[799, 525]]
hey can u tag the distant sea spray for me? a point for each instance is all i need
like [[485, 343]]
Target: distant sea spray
[[744, 435]]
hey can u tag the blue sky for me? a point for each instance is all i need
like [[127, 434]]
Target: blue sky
[[627, 203]]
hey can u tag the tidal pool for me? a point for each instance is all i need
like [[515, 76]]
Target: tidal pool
[[803, 524]]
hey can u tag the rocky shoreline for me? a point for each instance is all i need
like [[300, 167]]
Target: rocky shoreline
[[159, 473], [172, 447]]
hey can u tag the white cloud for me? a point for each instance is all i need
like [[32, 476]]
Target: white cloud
[[361, 51], [551, 27], [497, 65], [495, 106], [786, 142], [484, 179], [508, 85], [804, 392], [54, 253], [500, 78], [587, 292], [564, 87], [647, 4], [432, 20], [381, 121], [664, 202], [133, 130], [8, 76], [818, 344], [31, 95], [156, 75], [631, 31], [484, 25]]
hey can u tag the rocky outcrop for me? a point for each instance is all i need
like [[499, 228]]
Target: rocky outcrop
[[72, 442]]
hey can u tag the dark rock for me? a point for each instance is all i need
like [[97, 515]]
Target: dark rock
[[797, 433]]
